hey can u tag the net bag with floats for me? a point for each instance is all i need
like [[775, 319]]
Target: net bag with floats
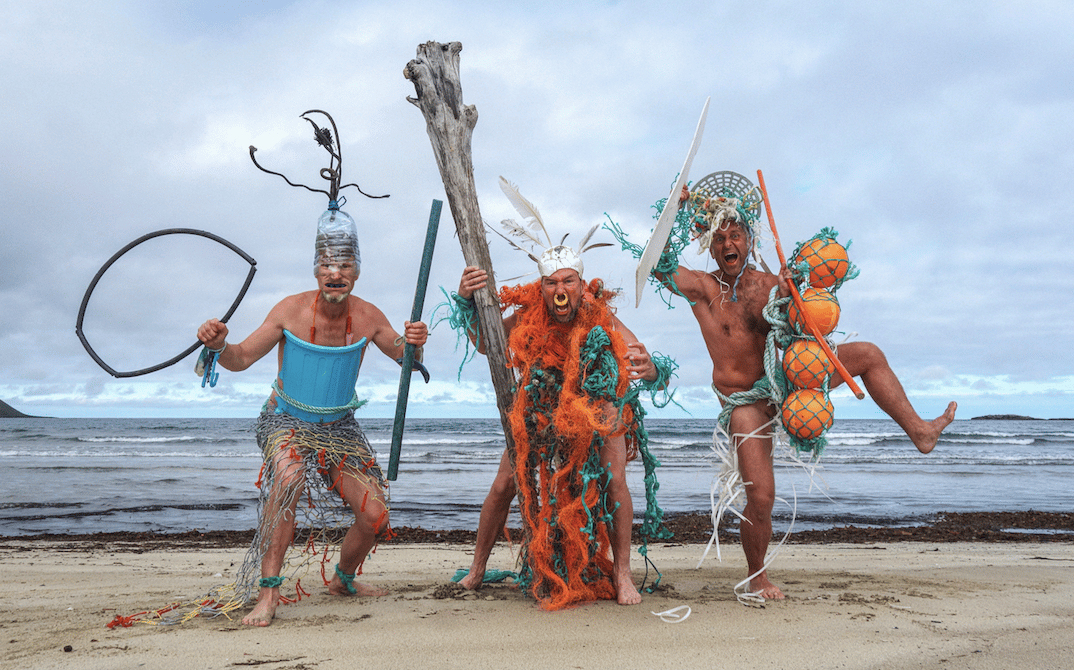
[[821, 266]]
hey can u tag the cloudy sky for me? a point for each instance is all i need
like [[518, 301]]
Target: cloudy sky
[[937, 137]]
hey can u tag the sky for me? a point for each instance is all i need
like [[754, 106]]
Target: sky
[[935, 137]]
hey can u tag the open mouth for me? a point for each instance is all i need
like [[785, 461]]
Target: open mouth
[[335, 286], [730, 258]]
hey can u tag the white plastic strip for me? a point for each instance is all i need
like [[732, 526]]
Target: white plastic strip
[[673, 615]]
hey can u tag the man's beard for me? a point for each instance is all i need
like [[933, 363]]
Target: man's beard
[[334, 298], [568, 318]]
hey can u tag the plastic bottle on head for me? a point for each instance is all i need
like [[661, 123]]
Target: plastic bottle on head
[[337, 238]]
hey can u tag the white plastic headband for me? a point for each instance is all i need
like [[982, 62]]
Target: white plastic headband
[[559, 258]]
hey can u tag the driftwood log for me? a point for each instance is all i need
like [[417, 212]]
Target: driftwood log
[[450, 123]]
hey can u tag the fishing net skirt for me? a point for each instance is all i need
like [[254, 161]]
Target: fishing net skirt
[[310, 468], [306, 467]]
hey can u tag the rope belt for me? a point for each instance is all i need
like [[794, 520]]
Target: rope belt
[[354, 403], [761, 390]]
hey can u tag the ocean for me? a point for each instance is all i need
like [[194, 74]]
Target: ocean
[[74, 476]]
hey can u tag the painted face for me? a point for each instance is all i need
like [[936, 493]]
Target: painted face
[[336, 278], [729, 247], [562, 292]]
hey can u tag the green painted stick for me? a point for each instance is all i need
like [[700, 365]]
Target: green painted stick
[[408, 351]]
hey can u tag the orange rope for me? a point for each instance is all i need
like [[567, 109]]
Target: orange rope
[[125, 621]]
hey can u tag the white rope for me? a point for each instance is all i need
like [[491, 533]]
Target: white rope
[[747, 597], [672, 615], [728, 491]]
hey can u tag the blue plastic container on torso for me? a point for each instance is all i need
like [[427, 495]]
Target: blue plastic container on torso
[[318, 377]]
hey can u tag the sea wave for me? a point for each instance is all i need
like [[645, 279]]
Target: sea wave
[[131, 454]]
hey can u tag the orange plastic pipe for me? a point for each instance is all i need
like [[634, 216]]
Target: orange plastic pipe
[[798, 298]]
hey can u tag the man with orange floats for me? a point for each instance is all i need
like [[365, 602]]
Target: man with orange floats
[[728, 304]]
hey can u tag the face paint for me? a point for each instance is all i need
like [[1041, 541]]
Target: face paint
[[336, 278]]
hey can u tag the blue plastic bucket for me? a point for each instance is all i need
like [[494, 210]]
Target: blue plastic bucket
[[318, 376]]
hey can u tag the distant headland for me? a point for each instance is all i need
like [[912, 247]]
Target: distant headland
[[1012, 417], [9, 412]]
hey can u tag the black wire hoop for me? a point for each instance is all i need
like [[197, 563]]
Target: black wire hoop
[[93, 284]]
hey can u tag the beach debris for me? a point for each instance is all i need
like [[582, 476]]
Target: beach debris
[[674, 615]]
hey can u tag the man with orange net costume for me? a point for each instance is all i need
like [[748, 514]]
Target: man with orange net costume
[[576, 422]]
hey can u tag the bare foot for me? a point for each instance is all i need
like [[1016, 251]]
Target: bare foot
[[265, 609], [626, 592], [473, 580], [926, 439], [336, 588], [761, 586]]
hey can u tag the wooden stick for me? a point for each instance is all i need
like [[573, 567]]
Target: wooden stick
[[810, 325], [408, 350], [450, 123]]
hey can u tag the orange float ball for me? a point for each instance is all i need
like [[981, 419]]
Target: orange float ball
[[806, 365], [807, 413], [827, 261], [821, 306]]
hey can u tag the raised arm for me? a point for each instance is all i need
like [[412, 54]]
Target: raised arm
[[238, 357], [691, 283], [639, 363], [473, 279]]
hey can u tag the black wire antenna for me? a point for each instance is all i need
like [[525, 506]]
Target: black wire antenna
[[333, 174]]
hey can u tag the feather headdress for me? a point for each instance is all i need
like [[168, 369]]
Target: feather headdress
[[555, 256]]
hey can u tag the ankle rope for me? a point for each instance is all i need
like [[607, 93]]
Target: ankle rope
[[348, 580]]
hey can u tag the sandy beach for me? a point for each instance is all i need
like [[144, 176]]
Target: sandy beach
[[873, 605]]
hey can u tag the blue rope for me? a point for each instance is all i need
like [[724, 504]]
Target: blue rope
[[207, 364], [348, 580]]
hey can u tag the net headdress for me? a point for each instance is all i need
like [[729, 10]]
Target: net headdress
[[720, 198]]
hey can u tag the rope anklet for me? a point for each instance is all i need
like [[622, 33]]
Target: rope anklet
[[348, 580], [270, 582]]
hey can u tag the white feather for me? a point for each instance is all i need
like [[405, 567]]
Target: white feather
[[596, 246], [529, 213], [581, 245], [514, 228], [511, 242]]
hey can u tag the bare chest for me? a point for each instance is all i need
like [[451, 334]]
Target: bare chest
[[329, 327]]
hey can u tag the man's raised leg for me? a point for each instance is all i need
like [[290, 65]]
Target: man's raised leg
[[494, 513], [866, 360]]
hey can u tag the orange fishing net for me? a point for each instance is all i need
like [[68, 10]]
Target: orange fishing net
[[572, 397]]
